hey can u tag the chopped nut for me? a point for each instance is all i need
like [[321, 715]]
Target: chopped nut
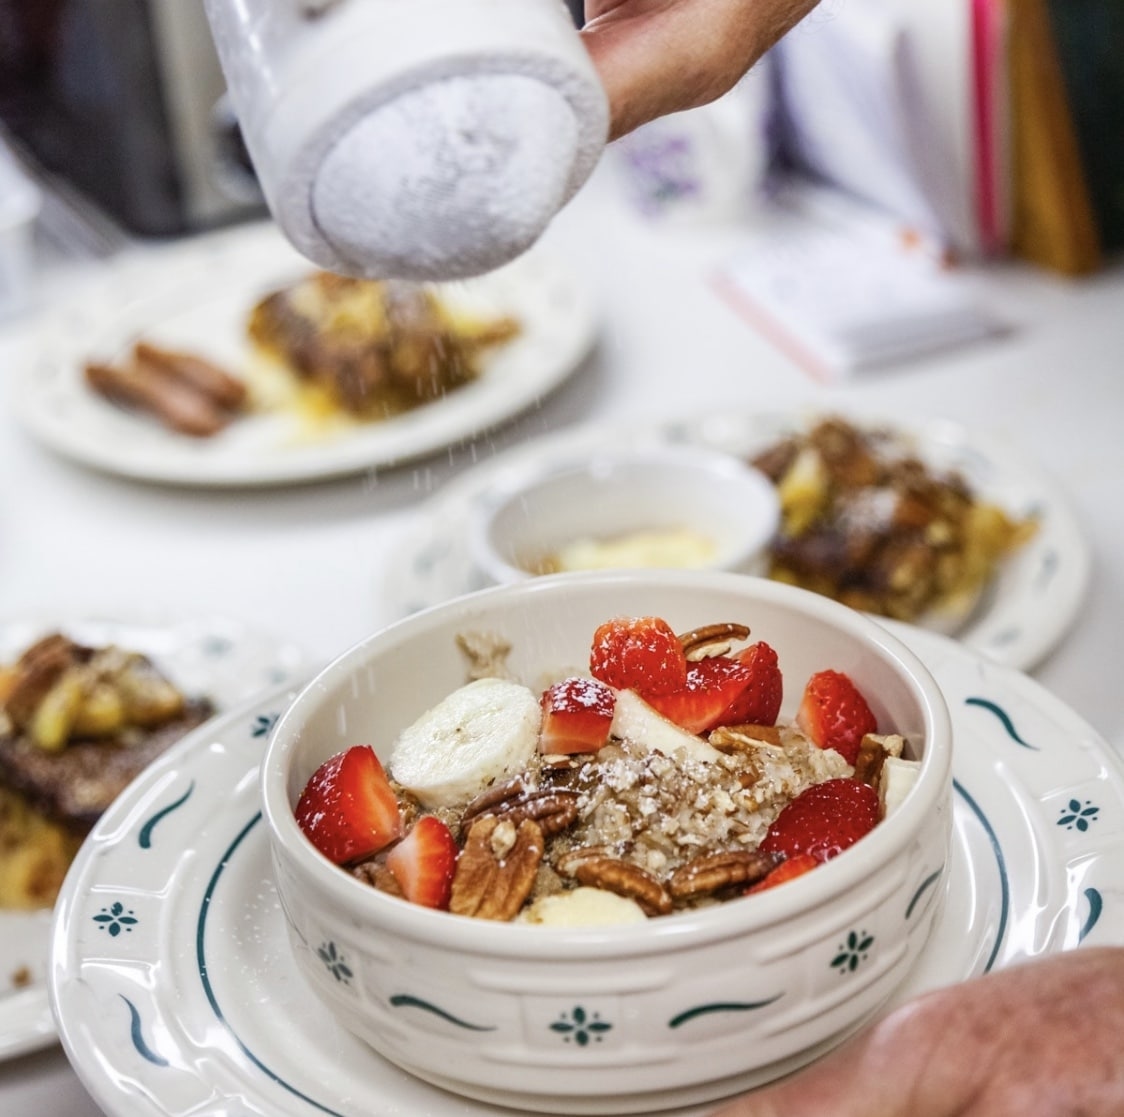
[[893, 744], [378, 875], [503, 838], [486, 654], [869, 760], [743, 738], [873, 750]]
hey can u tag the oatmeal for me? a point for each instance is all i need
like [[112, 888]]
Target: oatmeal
[[661, 782], [661, 811]]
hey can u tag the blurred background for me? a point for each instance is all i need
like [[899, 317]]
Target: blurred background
[[894, 138], [990, 126]]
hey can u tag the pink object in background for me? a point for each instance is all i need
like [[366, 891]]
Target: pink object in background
[[989, 26]]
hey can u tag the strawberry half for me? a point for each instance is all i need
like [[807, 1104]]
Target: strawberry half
[[638, 653], [824, 820], [348, 809], [789, 869], [725, 690], [424, 861], [760, 702], [576, 716], [712, 687], [834, 715]]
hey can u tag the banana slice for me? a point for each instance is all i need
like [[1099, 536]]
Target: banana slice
[[897, 779], [637, 722], [583, 907], [482, 732]]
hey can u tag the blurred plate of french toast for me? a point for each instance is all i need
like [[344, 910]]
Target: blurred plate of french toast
[[85, 706]]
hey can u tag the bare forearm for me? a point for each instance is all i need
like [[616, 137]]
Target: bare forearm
[[662, 56]]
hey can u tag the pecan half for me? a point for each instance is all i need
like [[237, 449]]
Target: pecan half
[[621, 877], [713, 872], [494, 796], [553, 810], [496, 869], [711, 639], [567, 862]]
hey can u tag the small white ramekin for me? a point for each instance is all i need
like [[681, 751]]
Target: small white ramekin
[[534, 513]]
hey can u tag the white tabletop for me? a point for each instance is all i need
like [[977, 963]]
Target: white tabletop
[[305, 562]]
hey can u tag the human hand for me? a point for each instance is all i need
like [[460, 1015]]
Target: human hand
[[1043, 1039], [660, 56]]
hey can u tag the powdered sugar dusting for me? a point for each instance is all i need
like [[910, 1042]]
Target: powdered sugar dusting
[[450, 179]]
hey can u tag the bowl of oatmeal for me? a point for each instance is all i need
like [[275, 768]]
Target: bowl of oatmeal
[[661, 507], [603, 881]]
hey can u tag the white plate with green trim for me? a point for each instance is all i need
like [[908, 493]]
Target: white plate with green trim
[[215, 657], [174, 989], [1022, 615]]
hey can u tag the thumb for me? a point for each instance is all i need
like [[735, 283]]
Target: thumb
[[829, 1088], [875, 1074]]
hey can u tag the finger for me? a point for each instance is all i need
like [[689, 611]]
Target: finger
[[844, 1084], [661, 56], [1035, 1038], [896, 1068]]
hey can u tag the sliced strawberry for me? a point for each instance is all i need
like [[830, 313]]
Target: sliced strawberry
[[348, 809], [725, 690], [824, 820], [834, 714], [423, 862], [638, 653], [760, 702], [576, 716], [789, 869], [712, 687]]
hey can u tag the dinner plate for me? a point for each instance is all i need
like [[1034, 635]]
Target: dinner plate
[[175, 991], [216, 657], [1021, 616], [196, 296]]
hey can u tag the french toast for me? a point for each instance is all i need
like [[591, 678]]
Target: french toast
[[77, 725]]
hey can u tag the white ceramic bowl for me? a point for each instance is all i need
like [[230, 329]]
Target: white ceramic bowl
[[708, 496], [687, 1007]]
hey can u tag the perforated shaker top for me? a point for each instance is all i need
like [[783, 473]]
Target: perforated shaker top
[[450, 179]]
